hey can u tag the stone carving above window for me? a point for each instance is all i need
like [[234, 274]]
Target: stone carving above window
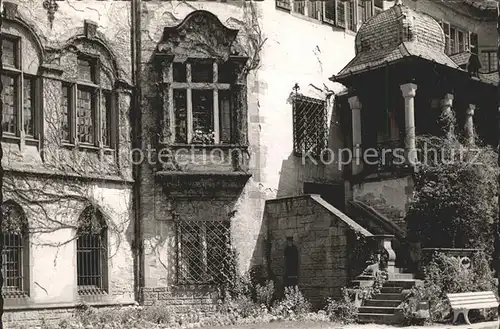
[[201, 34], [202, 91]]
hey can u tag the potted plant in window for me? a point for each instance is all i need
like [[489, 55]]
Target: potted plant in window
[[200, 137]]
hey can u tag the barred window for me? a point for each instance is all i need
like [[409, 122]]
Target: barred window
[[201, 102], [91, 250], [310, 128], [15, 256], [19, 91], [204, 254], [87, 107]]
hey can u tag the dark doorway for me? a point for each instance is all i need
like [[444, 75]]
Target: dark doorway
[[331, 193]]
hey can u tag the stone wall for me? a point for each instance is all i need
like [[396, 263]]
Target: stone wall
[[273, 167], [53, 182], [320, 233], [183, 299]]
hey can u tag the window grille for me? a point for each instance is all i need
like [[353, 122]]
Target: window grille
[[310, 128], [204, 254], [91, 250], [15, 251]]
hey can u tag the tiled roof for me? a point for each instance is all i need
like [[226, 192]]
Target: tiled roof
[[489, 78], [483, 4], [394, 34], [461, 58]]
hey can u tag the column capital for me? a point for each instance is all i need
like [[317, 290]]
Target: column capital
[[354, 103], [408, 89], [470, 109], [447, 100]]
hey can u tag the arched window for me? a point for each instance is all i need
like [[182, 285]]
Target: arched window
[[88, 98], [91, 249], [15, 253], [21, 87]]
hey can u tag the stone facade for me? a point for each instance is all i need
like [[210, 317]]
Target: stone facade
[[273, 50], [321, 236]]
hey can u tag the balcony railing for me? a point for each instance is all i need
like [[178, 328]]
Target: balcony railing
[[388, 156]]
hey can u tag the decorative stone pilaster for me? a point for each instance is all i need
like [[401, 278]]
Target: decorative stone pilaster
[[469, 124], [355, 106], [447, 118], [385, 245], [409, 91]]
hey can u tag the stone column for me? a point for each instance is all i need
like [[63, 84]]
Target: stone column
[[355, 106], [409, 92], [447, 117], [469, 124]]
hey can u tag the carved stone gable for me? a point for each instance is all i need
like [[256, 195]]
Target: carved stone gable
[[201, 34]]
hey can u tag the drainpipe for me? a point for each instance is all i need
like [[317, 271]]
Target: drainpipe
[[136, 121]]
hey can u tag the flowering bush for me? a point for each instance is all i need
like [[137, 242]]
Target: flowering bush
[[293, 304], [443, 276], [201, 137]]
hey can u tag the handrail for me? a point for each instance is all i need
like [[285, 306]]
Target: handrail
[[379, 218]]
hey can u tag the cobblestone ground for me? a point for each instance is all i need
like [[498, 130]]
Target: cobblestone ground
[[324, 325]]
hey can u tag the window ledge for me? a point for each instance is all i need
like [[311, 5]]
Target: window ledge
[[31, 141], [204, 146], [88, 147], [10, 138], [31, 305]]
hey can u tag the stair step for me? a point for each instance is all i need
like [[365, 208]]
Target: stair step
[[365, 277], [377, 318], [391, 290], [381, 303], [362, 283], [377, 309], [386, 296], [403, 283], [402, 276]]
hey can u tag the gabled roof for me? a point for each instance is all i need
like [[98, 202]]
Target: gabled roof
[[483, 4]]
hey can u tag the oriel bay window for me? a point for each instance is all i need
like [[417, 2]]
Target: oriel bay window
[[19, 93], [201, 107], [87, 107]]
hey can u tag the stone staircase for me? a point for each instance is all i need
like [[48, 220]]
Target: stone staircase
[[382, 308]]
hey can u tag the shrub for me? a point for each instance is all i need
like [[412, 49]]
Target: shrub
[[264, 294], [293, 304], [443, 275], [344, 310], [454, 203]]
